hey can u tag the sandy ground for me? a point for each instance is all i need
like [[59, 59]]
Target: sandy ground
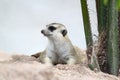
[[21, 67]]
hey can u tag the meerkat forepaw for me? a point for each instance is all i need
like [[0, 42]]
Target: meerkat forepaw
[[71, 61], [48, 62]]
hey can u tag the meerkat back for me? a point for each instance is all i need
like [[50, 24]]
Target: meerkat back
[[81, 55]]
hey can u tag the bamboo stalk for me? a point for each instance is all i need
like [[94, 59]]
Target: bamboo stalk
[[92, 60], [113, 47], [102, 15], [86, 21]]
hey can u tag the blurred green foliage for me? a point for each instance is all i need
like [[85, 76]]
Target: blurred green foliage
[[117, 6]]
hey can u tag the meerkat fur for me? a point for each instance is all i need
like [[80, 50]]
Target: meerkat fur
[[60, 49]]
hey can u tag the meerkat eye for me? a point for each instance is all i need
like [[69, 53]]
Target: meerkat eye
[[51, 28]]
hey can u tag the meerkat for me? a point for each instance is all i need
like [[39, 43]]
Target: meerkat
[[60, 49]]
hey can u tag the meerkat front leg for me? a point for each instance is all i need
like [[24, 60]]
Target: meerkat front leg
[[48, 61], [71, 61]]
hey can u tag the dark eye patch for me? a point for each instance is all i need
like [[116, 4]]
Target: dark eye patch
[[51, 28]]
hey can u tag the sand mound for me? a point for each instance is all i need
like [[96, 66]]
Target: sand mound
[[21, 67]]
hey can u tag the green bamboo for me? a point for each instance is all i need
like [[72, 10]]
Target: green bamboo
[[118, 4], [102, 15], [113, 47], [101, 18], [86, 21], [119, 34], [93, 63]]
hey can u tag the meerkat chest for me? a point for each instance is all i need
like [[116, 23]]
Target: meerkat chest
[[61, 48]]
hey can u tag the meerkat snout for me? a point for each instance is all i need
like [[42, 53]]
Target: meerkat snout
[[42, 31]]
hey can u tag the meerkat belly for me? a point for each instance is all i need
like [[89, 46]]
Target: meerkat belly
[[57, 57], [62, 52], [51, 55], [62, 58]]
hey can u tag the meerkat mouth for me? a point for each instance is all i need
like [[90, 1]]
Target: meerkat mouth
[[47, 34]]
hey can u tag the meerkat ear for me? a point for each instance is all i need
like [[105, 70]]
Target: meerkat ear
[[64, 32]]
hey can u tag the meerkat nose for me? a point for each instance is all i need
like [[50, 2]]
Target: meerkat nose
[[42, 31]]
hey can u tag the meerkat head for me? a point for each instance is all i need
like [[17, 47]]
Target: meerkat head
[[54, 30]]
